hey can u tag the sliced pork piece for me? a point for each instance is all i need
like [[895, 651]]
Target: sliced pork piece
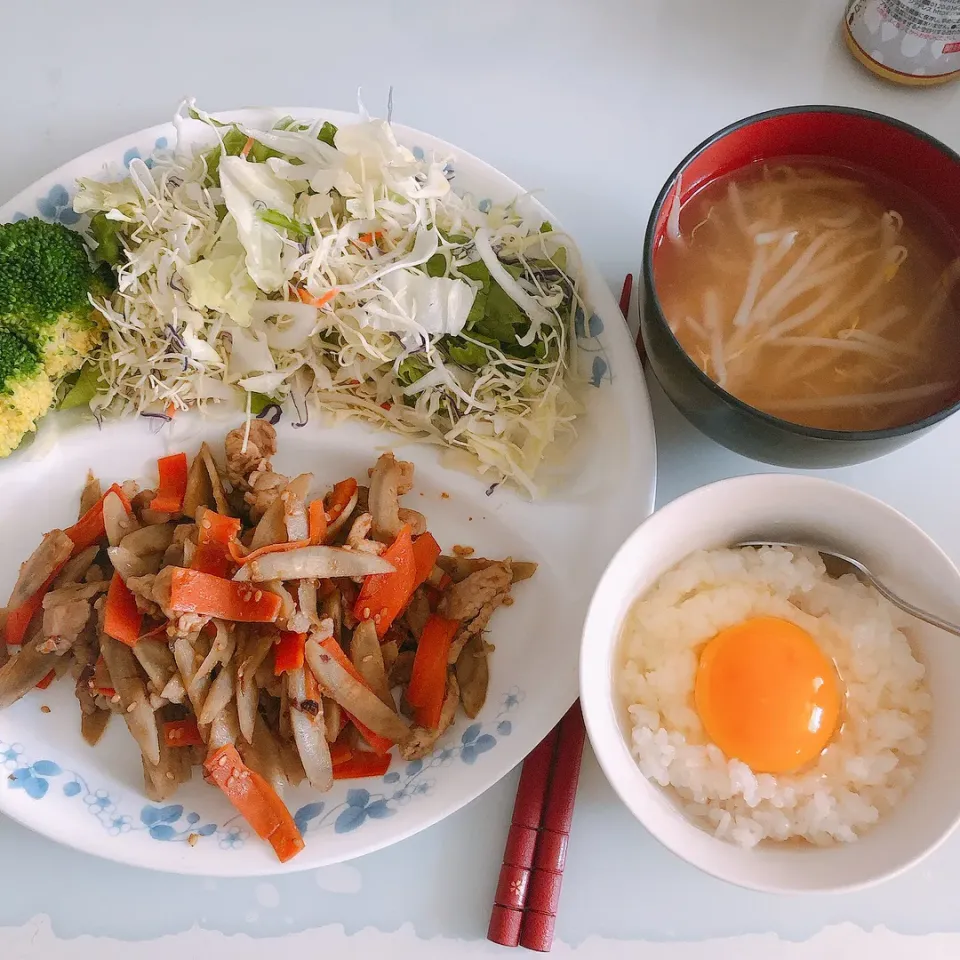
[[66, 612], [475, 627], [415, 520], [357, 538], [135, 706], [265, 487], [406, 477], [152, 593], [422, 741], [459, 568], [464, 600], [248, 450]]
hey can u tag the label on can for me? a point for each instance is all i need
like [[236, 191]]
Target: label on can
[[916, 38]]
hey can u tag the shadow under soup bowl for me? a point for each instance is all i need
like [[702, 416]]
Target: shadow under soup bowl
[[777, 727], [800, 271]]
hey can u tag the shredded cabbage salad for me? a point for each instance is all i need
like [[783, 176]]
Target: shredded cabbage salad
[[333, 267]]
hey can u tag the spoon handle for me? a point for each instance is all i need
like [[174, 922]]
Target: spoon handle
[[917, 612]]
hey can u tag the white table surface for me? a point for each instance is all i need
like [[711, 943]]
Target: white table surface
[[594, 102]]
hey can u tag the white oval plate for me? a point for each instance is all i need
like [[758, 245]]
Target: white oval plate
[[92, 799]]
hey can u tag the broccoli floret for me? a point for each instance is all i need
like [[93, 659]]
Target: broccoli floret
[[48, 327], [44, 272], [26, 391]]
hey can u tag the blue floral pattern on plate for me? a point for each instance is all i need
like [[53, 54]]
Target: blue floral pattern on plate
[[162, 823], [57, 205], [171, 823], [398, 789], [588, 331]]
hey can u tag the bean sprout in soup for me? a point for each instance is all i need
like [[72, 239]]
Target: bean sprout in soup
[[816, 293]]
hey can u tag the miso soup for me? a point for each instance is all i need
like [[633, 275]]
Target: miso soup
[[817, 293]]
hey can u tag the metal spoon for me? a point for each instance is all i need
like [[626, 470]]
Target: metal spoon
[[838, 564]]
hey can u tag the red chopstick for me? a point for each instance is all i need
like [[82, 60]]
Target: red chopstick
[[512, 886], [536, 849], [625, 294], [546, 878]]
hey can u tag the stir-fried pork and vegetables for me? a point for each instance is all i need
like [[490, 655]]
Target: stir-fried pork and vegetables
[[236, 622]]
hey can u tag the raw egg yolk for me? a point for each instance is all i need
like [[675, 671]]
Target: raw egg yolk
[[767, 695]]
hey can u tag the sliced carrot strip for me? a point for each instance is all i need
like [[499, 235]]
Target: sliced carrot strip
[[47, 680], [339, 753], [19, 619], [428, 681], [194, 592], [317, 521], [173, 484], [89, 528], [256, 800], [339, 498], [308, 298], [216, 528], [182, 733], [384, 595], [425, 553], [288, 653], [122, 619], [362, 764]]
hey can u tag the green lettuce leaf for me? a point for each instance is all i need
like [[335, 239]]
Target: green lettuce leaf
[[259, 402], [293, 227], [87, 385], [327, 134], [412, 368], [106, 233]]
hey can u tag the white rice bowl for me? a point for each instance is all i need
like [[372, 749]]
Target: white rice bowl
[[868, 765]]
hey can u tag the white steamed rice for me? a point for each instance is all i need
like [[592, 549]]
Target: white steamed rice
[[867, 767]]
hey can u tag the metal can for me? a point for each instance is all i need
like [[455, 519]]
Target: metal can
[[906, 41]]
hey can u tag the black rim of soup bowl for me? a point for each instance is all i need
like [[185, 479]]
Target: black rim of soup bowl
[[785, 442]]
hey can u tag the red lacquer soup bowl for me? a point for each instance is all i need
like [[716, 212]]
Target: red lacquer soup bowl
[[867, 141]]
